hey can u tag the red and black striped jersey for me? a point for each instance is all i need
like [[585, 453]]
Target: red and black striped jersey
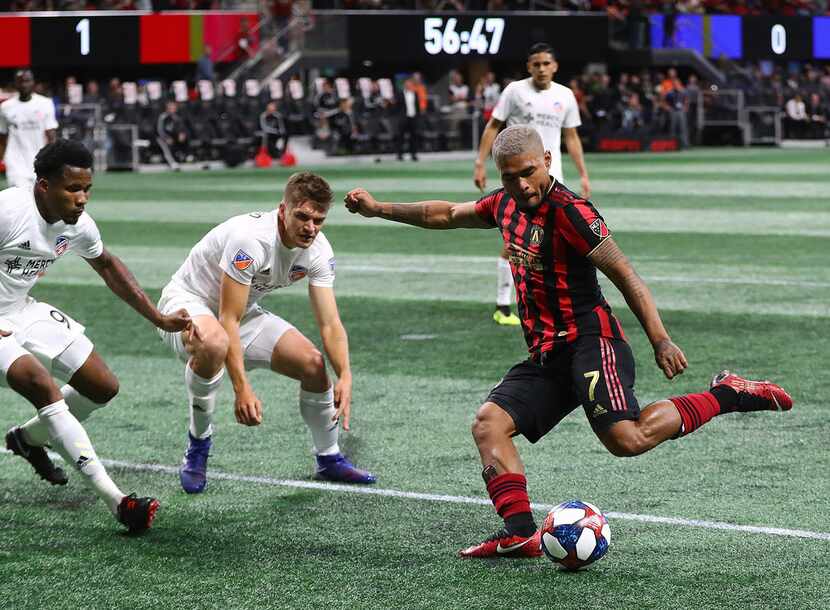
[[558, 296]]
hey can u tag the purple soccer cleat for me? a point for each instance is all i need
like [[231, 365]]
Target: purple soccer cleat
[[193, 473], [338, 469]]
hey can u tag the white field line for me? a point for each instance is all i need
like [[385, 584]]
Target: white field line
[[427, 497]]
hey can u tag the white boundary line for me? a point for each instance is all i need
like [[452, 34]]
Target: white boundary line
[[411, 495]]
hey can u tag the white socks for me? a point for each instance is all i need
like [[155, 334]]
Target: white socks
[[34, 430], [505, 284], [202, 393], [317, 410], [70, 440]]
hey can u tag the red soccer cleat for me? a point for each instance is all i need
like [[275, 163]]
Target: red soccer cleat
[[754, 395], [137, 513], [504, 544]]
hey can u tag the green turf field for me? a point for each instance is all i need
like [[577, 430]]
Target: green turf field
[[733, 243]]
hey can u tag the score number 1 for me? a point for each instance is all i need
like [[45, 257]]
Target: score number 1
[[439, 37], [83, 29]]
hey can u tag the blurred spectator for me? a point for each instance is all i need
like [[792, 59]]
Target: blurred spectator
[[274, 132], [669, 10], [632, 114], [204, 67], [636, 24], [817, 115], [459, 92], [487, 95], [409, 113], [92, 94], [677, 104], [172, 135], [420, 90], [343, 128], [245, 42], [796, 120]]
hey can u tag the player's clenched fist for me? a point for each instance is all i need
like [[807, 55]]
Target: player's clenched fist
[[670, 358], [359, 201], [175, 322]]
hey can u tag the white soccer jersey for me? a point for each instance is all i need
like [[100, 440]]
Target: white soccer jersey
[[26, 124], [548, 111], [249, 250], [29, 245]]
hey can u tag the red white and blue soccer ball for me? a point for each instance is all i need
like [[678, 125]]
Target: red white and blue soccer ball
[[575, 534]]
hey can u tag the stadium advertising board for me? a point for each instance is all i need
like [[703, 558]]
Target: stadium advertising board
[[116, 39], [398, 37], [756, 37]]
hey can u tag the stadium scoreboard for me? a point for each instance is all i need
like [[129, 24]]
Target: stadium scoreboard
[[754, 37], [425, 37], [115, 39], [101, 38]]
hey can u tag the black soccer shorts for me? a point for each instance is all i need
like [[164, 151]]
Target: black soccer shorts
[[593, 371]]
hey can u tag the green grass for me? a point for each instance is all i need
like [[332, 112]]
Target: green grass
[[742, 282]]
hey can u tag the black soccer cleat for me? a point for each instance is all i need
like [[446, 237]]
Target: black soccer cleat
[[137, 514], [36, 456]]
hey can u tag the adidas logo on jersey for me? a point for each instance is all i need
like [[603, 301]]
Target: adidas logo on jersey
[[25, 245], [598, 410]]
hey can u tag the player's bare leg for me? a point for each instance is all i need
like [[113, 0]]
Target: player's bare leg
[[296, 357], [658, 422], [207, 346], [30, 379], [504, 292], [91, 387], [503, 472], [681, 415]]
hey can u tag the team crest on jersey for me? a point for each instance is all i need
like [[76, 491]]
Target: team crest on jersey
[[61, 244], [297, 272], [599, 229], [537, 234], [557, 107], [242, 260]]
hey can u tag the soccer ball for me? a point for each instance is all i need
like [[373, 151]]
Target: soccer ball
[[575, 534]]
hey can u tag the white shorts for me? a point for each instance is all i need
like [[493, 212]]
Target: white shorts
[[259, 330], [48, 334]]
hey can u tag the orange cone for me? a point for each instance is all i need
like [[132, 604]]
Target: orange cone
[[263, 159], [288, 159]]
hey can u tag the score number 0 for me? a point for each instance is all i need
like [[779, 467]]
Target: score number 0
[[83, 28], [451, 42], [778, 39]]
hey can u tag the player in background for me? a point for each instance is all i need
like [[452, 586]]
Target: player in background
[[578, 352], [220, 283], [38, 341], [27, 123], [552, 109]]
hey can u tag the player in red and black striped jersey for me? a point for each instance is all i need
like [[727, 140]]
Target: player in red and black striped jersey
[[578, 352]]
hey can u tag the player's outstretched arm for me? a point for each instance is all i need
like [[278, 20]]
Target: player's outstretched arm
[[574, 146], [608, 258], [336, 346], [123, 284], [425, 214], [484, 147], [233, 301]]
